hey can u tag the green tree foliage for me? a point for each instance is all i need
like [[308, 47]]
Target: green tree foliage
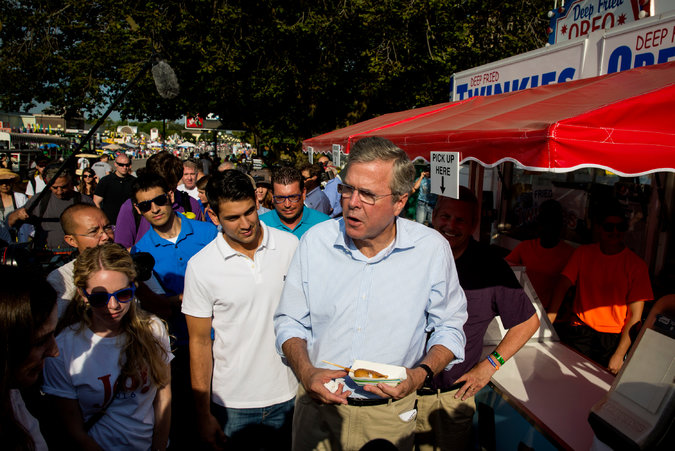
[[283, 70]]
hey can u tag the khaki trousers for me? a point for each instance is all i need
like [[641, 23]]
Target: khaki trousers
[[443, 422], [325, 427]]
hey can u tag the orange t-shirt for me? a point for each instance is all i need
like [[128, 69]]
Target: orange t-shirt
[[606, 284], [543, 266]]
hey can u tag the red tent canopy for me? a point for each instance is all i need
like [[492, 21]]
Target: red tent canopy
[[623, 122]]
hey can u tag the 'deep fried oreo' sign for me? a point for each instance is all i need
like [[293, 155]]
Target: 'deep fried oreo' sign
[[581, 17]]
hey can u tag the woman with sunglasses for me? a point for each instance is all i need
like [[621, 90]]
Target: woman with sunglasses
[[87, 182], [110, 385]]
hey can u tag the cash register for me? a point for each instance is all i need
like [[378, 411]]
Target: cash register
[[637, 412]]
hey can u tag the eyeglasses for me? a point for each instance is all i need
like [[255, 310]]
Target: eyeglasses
[[124, 165], [293, 198], [146, 205], [364, 196], [100, 299], [107, 229], [610, 226]]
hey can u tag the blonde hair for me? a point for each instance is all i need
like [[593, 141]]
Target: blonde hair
[[142, 349]]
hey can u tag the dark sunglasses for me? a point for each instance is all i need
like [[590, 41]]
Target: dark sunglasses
[[610, 226], [146, 205], [88, 176], [126, 165], [101, 298]]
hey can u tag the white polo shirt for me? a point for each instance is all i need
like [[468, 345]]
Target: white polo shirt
[[242, 295]]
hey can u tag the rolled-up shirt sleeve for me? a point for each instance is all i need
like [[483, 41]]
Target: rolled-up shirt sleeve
[[292, 319], [446, 311]]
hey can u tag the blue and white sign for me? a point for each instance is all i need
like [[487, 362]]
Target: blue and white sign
[[650, 40], [581, 17], [639, 47], [537, 68]]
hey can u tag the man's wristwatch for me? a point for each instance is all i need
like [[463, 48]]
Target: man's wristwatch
[[430, 375]]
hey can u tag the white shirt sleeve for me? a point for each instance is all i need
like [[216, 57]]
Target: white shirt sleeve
[[153, 284], [57, 379], [29, 189], [27, 420], [159, 330], [196, 299]]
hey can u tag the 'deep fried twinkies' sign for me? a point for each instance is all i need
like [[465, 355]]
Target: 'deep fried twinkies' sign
[[445, 173], [538, 68]]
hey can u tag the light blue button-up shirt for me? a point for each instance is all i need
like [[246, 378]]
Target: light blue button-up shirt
[[348, 307]]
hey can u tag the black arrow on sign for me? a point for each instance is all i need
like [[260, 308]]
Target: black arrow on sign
[[442, 184]]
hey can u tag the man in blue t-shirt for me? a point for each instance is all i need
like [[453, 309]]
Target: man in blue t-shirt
[[426, 200], [172, 240], [290, 213]]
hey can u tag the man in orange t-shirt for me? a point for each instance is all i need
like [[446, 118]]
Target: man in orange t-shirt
[[612, 284], [545, 257]]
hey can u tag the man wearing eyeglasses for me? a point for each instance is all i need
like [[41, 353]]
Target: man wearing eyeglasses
[[172, 240], [612, 286], [370, 286], [114, 189], [84, 226], [290, 214]]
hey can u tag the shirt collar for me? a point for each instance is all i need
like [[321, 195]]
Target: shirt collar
[[303, 218], [226, 250], [185, 231], [403, 240]]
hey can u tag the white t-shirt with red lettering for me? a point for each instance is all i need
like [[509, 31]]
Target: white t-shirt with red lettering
[[86, 369]]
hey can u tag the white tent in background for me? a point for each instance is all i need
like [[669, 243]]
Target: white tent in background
[[112, 146]]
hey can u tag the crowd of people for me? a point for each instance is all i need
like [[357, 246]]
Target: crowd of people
[[204, 302]]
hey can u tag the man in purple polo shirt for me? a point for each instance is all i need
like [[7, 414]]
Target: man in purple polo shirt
[[446, 407], [130, 226]]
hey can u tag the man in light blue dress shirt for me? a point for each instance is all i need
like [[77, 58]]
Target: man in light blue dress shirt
[[396, 300]]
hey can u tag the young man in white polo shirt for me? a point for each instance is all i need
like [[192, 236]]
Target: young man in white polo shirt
[[242, 389]]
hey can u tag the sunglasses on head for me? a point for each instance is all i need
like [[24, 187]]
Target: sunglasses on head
[[610, 226], [146, 205], [99, 299]]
